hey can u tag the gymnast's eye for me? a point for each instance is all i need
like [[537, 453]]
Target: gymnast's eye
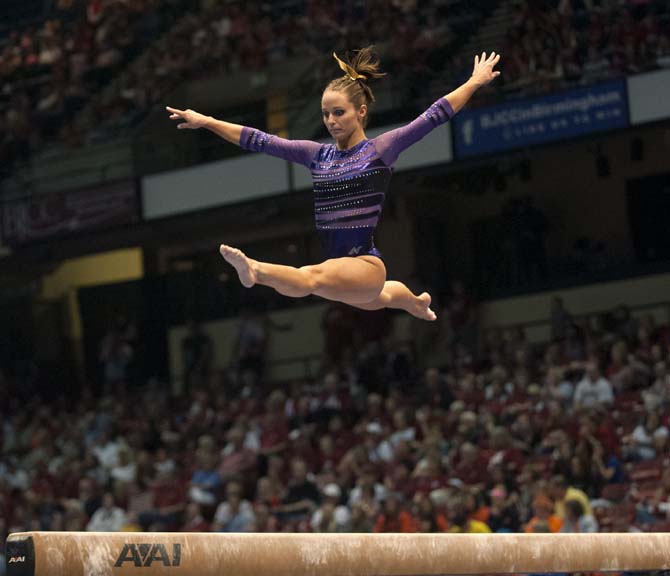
[[339, 112]]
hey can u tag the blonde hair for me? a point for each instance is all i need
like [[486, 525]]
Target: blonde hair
[[365, 67]]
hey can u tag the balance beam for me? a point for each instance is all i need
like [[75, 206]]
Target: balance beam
[[206, 554]]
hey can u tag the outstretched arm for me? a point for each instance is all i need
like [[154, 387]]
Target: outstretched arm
[[482, 74], [298, 151], [193, 120], [392, 143]]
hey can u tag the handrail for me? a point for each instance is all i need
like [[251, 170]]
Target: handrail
[[532, 323], [308, 360], [546, 322]]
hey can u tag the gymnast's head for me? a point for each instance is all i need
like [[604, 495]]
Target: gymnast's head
[[346, 100]]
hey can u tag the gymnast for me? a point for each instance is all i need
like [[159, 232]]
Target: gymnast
[[351, 178]]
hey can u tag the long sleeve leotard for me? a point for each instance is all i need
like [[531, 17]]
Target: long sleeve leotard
[[349, 185]]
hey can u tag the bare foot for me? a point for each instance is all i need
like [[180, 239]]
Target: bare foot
[[423, 309], [245, 267]]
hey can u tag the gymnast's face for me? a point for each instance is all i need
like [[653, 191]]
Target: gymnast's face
[[341, 117]]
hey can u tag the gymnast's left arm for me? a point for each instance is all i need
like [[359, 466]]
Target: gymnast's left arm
[[392, 143], [482, 74]]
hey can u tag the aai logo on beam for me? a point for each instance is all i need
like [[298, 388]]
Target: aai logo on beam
[[144, 555]]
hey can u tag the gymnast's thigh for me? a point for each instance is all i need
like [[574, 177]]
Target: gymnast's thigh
[[349, 280]]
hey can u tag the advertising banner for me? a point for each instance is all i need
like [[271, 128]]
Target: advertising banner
[[523, 123], [63, 213]]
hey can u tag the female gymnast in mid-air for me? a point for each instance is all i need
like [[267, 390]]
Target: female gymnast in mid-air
[[351, 178]]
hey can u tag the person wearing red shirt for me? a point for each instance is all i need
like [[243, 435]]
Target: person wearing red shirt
[[429, 518], [169, 493], [194, 520], [274, 427], [393, 518]]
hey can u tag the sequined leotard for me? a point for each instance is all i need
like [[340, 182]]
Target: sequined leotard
[[349, 185]]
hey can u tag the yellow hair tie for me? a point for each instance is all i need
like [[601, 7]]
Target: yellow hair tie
[[348, 70]]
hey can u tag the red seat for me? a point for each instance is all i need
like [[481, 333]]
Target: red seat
[[616, 518], [646, 471], [615, 492], [663, 526]]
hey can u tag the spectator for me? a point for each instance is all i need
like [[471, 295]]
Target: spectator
[[648, 439], [205, 481], [430, 519], [108, 518], [302, 497], [543, 519], [471, 464], [125, 470], [561, 492], [393, 518], [274, 425], [88, 499], [576, 520], [593, 390], [361, 520], [435, 390], [106, 450], [193, 519], [237, 460], [658, 395], [252, 341], [367, 492], [459, 521], [115, 355], [607, 466], [264, 520], [504, 512], [331, 516], [169, 502], [234, 514]]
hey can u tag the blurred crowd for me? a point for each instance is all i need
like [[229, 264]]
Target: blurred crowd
[[495, 434], [553, 44], [53, 70]]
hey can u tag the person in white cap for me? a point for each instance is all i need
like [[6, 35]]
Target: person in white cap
[[331, 516]]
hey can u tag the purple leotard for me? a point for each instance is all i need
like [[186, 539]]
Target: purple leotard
[[349, 185]]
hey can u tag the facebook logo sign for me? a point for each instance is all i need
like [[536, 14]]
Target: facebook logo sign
[[543, 119]]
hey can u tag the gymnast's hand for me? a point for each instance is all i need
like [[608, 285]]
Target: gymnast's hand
[[191, 118], [483, 72]]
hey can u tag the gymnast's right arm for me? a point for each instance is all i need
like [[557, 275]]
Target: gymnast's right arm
[[193, 120], [298, 151]]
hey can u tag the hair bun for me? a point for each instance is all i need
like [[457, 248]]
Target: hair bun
[[348, 69], [366, 63], [363, 66]]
